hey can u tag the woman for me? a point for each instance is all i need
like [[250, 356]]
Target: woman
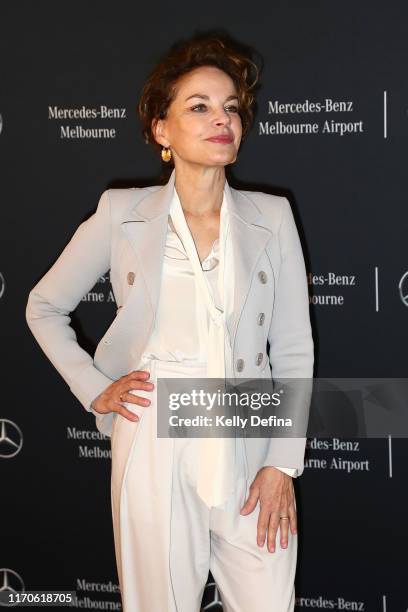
[[204, 276]]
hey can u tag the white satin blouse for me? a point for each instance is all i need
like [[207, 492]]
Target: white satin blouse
[[181, 329], [182, 322]]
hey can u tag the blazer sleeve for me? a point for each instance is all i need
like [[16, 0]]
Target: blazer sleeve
[[82, 262], [291, 351]]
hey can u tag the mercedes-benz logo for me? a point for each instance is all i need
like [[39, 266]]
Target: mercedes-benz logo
[[11, 439], [2, 285], [403, 288], [10, 582], [211, 598]]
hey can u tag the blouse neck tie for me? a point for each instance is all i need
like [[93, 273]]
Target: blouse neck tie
[[216, 467]]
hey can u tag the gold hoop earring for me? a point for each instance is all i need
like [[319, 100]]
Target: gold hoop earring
[[166, 154]]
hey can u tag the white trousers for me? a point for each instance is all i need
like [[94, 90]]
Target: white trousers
[[166, 539]]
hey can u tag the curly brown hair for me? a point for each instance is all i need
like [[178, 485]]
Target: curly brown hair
[[214, 48]]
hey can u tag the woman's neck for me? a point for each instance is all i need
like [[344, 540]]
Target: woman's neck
[[200, 190]]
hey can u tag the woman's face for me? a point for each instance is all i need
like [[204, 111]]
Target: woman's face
[[205, 108]]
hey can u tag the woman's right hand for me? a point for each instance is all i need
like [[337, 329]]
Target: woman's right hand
[[110, 400]]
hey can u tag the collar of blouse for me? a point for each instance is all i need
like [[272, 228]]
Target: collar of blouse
[[175, 250]]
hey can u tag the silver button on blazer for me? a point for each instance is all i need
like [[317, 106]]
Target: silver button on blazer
[[127, 235]]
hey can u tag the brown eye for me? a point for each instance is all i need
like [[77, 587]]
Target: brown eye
[[198, 106]]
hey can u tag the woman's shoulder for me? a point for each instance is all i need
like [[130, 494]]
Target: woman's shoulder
[[123, 199], [272, 207], [124, 194]]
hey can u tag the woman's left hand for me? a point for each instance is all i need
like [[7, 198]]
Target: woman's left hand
[[275, 492]]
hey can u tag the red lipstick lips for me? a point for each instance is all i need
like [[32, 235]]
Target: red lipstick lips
[[222, 139]]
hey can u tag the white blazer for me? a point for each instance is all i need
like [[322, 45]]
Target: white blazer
[[126, 235]]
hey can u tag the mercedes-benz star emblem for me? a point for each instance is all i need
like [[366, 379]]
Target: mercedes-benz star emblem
[[10, 582], [211, 599], [11, 439], [403, 288]]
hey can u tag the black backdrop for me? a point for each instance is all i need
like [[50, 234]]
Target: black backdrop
[[348, 193]]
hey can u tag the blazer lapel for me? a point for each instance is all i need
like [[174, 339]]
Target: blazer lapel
[[249, 237], [146, 229]]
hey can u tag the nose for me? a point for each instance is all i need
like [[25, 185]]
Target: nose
[[223, 118]]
